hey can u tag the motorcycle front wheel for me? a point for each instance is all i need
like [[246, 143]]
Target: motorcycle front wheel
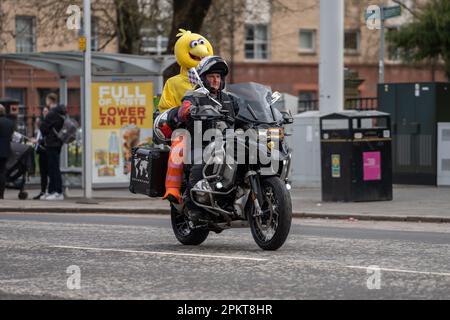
[[271, 229], [183, 233]]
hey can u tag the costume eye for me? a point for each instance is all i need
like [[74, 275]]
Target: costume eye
[[201, 41], [193, 43]]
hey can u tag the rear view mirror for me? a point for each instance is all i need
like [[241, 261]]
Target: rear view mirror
[[275, 97]]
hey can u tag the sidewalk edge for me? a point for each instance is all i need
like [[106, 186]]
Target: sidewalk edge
[[166, 211]]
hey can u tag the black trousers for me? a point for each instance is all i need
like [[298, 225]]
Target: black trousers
[[195, 175], [54, 170], [43, 169], [2, 176]]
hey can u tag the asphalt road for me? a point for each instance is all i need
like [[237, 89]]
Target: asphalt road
[[138, 257]]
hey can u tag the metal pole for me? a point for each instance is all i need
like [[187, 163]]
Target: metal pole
[[83, 125], [63, 100], [63, 91], [381, 62], [3, 78], [331, 67], [87, 103]]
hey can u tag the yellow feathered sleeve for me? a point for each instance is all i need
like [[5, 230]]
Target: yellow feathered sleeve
[[174, 90]]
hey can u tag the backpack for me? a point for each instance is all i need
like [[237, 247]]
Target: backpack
[[68, 132]]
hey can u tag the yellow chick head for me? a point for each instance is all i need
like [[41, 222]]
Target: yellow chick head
[[191, 48]]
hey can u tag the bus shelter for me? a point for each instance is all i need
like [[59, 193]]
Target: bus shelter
[[122, 103]]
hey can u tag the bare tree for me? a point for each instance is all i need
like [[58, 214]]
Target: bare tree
[[188, 15], [120, 20]]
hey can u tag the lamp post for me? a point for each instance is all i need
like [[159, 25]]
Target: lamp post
[[331, 67], [87, 137]]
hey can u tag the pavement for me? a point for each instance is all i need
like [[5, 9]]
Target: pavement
[[114, 256], [410, 203]]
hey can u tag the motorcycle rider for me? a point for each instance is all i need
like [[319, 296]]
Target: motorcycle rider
[[212, 71]]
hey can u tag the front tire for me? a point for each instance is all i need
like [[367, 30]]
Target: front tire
[[271, 230], [183, 233]]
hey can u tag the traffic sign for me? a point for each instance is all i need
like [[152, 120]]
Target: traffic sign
[[391, 12], [388, 12]]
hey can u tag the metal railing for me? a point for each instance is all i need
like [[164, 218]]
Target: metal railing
[[307, 105], [367, 103], [370, 103]]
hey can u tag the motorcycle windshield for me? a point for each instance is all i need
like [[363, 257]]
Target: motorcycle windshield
[[255, 104]]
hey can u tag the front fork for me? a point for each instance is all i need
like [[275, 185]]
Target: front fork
[[256, 193]]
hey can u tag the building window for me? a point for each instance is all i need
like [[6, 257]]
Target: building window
[[256, 42], [25, 34], [94, 34], [19, 94], [307, 39], [351, 41], [307, 100], [154, 45], [393, 53]]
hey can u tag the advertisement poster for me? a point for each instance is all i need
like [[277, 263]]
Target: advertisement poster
[[122, 118], [372, 166]]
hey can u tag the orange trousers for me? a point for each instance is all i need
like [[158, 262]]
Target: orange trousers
[[175, 169]]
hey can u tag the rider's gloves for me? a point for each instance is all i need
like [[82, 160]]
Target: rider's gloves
[[184, 111], [166, 130]]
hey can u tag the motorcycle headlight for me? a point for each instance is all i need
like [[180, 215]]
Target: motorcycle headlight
[[275, 133]]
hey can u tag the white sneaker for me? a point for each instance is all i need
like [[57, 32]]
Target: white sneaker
[[44, 196], [55, 197]]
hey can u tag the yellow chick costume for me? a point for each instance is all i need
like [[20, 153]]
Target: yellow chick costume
[[190, 48]]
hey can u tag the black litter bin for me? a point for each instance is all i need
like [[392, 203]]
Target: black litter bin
[[356, 156]]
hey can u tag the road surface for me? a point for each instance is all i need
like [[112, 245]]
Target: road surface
[[83, 256]]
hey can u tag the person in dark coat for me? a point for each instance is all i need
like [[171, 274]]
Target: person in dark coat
[[52, 124], [6, 133], [42, 152]]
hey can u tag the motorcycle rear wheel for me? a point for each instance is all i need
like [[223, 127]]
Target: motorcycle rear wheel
[[183, 233], [271, 230]]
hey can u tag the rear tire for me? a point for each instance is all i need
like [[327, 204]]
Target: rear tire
[[183, 233], [271, 230]]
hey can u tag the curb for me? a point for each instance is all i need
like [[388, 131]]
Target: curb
[[166, 211]]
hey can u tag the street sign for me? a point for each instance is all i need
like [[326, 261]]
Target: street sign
[[388, 12], [392, 12], [375, 17]]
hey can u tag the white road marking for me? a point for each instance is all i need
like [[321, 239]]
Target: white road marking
[[162, 253], [402, 271], [245, 258]]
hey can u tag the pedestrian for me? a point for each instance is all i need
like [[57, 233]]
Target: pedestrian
[[43, 158], [6, 133], [49, 128]]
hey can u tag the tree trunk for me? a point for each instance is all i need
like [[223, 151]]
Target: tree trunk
[[188, 15], [129, 25]]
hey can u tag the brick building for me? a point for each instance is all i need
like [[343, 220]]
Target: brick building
[[20, 31], [274, 42], [278, 44]]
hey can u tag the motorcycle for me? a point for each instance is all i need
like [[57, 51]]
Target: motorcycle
[[236, 193]]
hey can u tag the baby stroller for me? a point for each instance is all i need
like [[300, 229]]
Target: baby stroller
[[19, 165]]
